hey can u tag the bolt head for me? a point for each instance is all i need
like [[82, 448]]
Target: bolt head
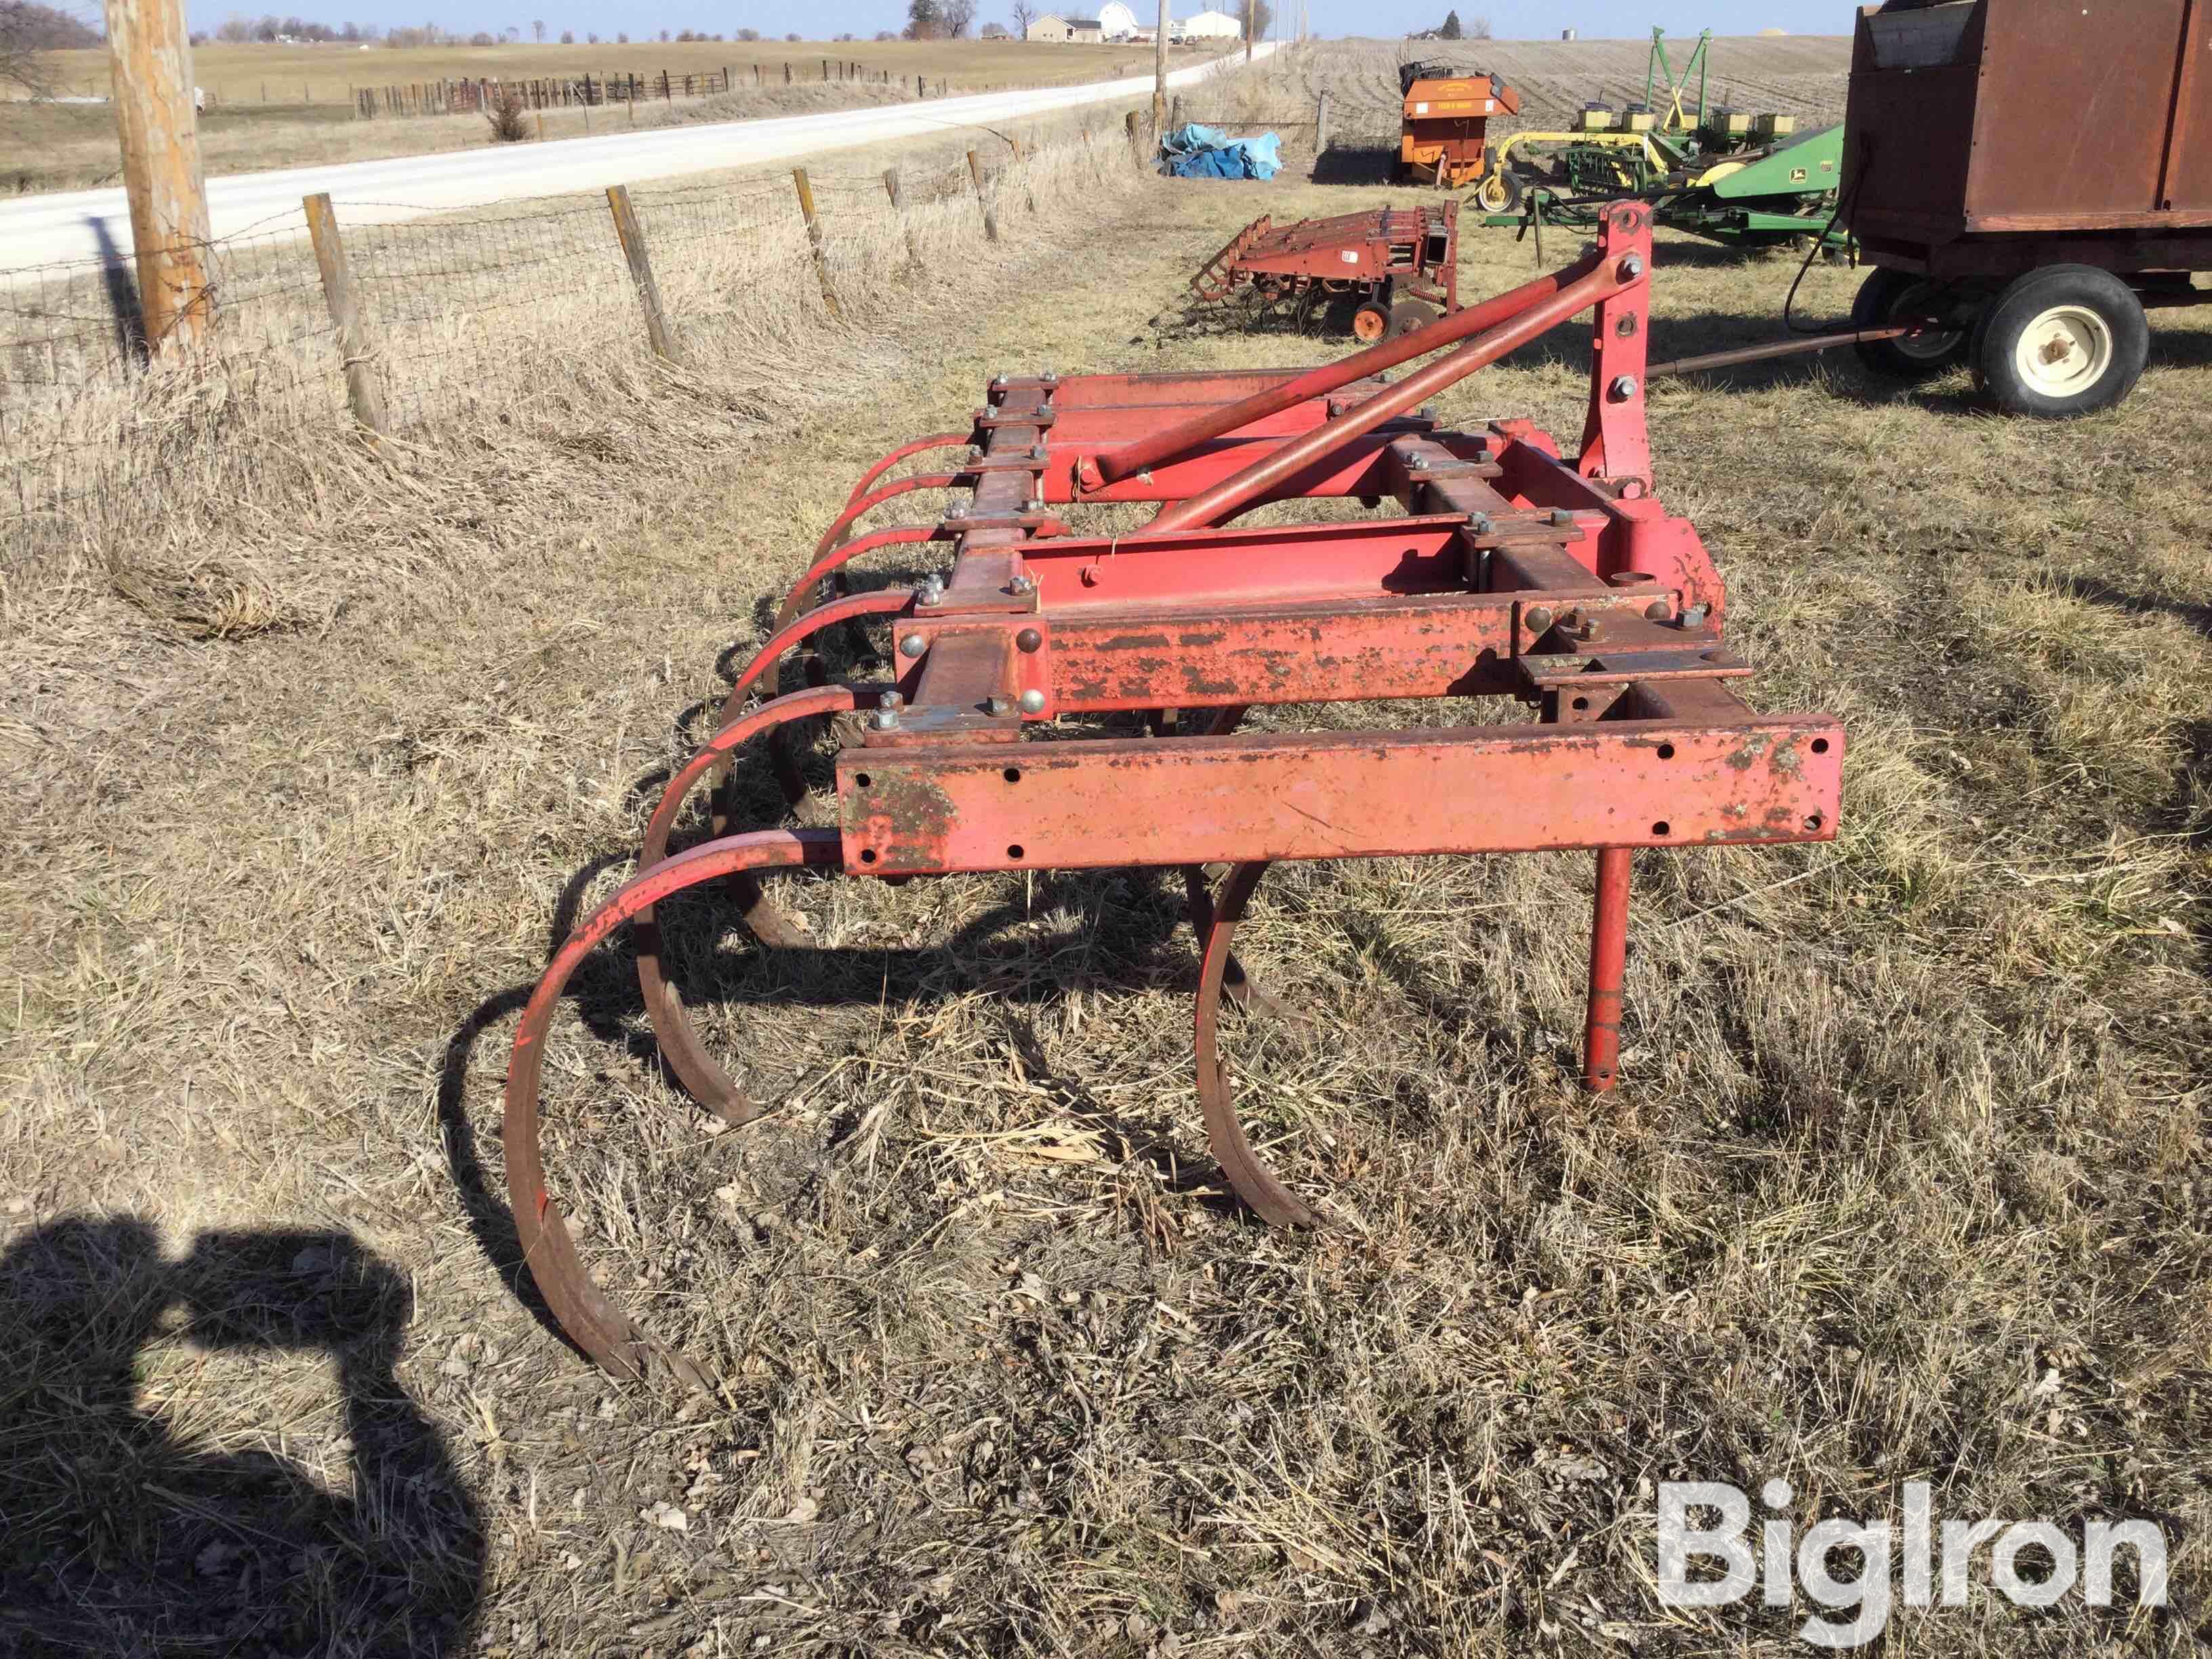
[[1417, 464], [956, 510], [886, 720], [1029, 639], [1036, 503], [1632, 267], [1625, 385], [1021, 585], [1561, 515], [1537, 618], [1033, 702], [1036, 452], [913, 645], [999, 706]]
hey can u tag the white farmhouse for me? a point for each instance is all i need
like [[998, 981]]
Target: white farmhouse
[[1212, 25], [1116, 21]]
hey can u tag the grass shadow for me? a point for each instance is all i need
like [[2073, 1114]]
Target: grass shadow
[[129, 1534]]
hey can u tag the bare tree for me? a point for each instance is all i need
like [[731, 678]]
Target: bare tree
[[28, 33], [959, 17], [537, 29], [1023, 14]]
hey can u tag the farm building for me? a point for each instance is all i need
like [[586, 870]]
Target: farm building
[[1052, 27], [1116, 21], [1212, 25]]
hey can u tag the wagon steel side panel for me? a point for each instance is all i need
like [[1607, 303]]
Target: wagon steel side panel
[[2070, 117]]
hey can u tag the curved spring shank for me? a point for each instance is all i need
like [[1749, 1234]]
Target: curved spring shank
[[708, 1084], [1240, 489], [935, 440], [600, 1328], [1248, 1172], [837, 557], [768, 921]]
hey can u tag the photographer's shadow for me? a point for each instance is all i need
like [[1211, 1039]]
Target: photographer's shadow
[[122, 1532]]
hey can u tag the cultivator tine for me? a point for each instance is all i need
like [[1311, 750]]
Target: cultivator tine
[[1503, 571], [708, 1084], [1246, 1170], [548, 1247]]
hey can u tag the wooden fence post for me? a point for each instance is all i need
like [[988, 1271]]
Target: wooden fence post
[[990, 219], [641, 271], [921, 87], [363, 391], [1175, 114], [1136, 149], [1028, 183], [898, 212], [814, 241]]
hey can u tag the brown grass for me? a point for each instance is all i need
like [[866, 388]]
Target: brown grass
[[1908, 1181]]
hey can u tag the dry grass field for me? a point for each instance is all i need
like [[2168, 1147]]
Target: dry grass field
[[278, 106], [1907, 1181]]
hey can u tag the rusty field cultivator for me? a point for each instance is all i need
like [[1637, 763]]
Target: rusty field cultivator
[[1388, 270], [1504, 570]]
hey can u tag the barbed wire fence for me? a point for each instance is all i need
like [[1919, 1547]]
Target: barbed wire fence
[[405, 322]]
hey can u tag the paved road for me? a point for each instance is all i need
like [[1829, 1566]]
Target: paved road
[[93, 224]]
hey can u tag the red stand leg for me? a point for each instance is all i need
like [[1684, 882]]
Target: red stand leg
[[1609, 958]]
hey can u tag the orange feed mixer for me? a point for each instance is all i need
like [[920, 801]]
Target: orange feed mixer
[[1447, 115]]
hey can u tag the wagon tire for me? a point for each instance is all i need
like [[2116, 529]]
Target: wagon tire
[[1888, 295], [1370, 323], [1501, 191], [2063, 341]]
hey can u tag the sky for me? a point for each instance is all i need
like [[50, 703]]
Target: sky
[[821, 19]]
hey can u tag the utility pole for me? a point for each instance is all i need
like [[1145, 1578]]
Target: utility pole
[[150, 58], [1160, 73], [1249, 19]]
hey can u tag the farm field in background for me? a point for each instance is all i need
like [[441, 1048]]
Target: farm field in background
[[1905, 1180], [1795, 75], [308, 115]]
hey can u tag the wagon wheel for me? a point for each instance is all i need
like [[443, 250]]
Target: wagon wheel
[[1370, 322], [1500, 191]]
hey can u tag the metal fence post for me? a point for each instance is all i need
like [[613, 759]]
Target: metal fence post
[[641, 271], [1320, 122], [814, 241], [898, 212], [990, 219], [363, 391]]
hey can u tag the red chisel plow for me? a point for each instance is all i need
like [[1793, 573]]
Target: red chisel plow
[[1506, 570]]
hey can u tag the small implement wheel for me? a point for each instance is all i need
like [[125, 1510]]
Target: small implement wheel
[[1370, 323], [2062, 341], [1406, 315], [1887, 298], [1499, 192]]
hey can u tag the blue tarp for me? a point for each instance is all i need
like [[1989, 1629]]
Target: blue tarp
[[1197, 152]]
